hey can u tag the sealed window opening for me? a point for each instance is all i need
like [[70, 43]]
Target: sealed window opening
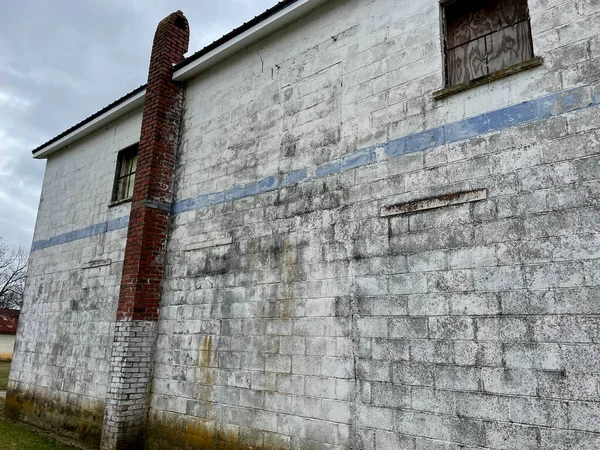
[[484, 37], [125, 174]]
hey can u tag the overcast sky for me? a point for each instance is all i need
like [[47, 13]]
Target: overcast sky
[[62, 60]]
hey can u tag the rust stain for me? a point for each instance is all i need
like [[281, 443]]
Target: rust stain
[[206, 356], [440, 201], [186, 433], [205, 372]]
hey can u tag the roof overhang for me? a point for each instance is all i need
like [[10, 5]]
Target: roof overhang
[[246, 38], [76, 134], [261, 26]]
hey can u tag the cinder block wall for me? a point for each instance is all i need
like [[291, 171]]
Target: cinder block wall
[[59, 373], [295, 316]]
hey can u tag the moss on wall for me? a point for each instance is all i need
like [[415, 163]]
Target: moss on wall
[[169, 431], [80, 422]]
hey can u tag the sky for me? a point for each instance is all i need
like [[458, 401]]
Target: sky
[[63, 60]]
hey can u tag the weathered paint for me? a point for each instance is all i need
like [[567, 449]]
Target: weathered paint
[[292, 313], [442, 201], [538, 109], [80, 422]]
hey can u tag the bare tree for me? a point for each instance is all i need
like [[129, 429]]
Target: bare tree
[[13, 269]]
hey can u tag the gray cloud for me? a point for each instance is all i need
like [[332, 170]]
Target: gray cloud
[[61, 61]]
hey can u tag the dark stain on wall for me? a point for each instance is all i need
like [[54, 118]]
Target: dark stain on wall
[[83, 424]]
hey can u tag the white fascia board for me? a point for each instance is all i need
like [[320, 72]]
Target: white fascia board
[[114, 113], [248, 37], [245, 39]]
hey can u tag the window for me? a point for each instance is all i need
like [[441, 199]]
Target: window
[[482, 37], [125, 175]]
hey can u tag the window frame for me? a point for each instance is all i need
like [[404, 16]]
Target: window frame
[[124, 155], [484, 79]]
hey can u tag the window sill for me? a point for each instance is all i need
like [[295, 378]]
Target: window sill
[[119, 202], [446, 92]]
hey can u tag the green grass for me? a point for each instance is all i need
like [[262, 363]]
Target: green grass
[[19, 437], [4, 369]]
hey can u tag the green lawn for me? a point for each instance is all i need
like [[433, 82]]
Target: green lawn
[[19, 437], [4, 368]]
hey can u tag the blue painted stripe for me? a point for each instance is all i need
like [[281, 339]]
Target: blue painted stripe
[[236, 192], [359, 158], [396, 148], [294, 177], [81, 233], [424, 140], [328, 169], [467, 128], [510, 116]]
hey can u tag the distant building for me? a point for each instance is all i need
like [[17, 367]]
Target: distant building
[[9, 320], [348, 224]]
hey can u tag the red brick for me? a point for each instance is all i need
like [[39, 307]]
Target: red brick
[[143, 267]]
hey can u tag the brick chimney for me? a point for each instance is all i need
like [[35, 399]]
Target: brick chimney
[[135, 335]]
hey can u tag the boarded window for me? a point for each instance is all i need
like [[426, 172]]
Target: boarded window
[[485, 36], [125, 176]]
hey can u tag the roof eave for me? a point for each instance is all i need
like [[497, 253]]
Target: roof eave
[[113, 113], [248, 37], [241, 38]]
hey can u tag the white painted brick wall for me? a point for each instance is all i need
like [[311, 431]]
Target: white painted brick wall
[[79, 180], [300, 318], [330, 326], [67, 321], [132, 364]]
